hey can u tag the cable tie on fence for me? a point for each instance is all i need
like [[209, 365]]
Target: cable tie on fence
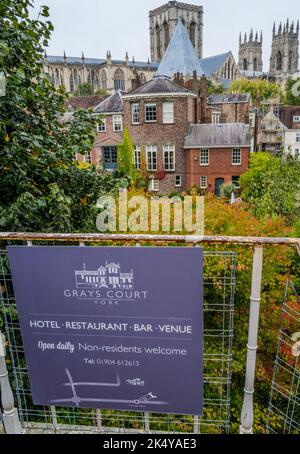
[[255, 300], [252, 348], [248, 392]]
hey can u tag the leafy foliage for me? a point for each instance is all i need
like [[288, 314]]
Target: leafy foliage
[[125, 156], [227, 190], [290, 99], [42, 188], [213, 89], [84, 89], [260, 90], [271, 186]]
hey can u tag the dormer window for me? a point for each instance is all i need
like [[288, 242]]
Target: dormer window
[[215, 119]]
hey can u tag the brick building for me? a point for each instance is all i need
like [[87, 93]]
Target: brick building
[[229, 108], [158, 115], [216, 155], [109, 133]]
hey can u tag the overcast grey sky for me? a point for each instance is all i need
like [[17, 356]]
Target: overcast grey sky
[[95, 26]]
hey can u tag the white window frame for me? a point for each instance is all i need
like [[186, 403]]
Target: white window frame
[[135, 114], [233, 157], [204, 160], [152, 104], [88, 157], [298, 137], [154, 185], [117, 120], [203, 185], [178, 185], [137, 157], [215, 118], [103, 124], [168, 113], [151, 151], [296, 119], [168, 151]]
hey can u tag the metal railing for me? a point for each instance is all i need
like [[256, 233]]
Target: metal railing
[[247, 416]]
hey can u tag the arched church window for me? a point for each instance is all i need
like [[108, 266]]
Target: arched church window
[[228, 70], [158, 44], [103, 80], [143, 78], [193, 33], [56, 77], [62, 81], [255, 65], [245, 65], [96, 81], [279, 61], [71, 82], [166, 34], [290, 60], [93, 79], [119, 80], [75, 77], [52, 75]]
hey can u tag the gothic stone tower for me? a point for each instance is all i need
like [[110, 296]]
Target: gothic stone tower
[[250, 54], [285, 50], [163, 21]]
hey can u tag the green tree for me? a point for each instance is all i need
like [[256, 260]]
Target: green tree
[[213, 89], [125, 156], [42, 188], [84, 89], [260, 90], [271, 186], [292, 93]]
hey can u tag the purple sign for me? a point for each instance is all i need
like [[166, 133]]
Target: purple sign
[[113, 328]]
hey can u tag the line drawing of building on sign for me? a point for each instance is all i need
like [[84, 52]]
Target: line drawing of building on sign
[[135, 382], [108, 276]]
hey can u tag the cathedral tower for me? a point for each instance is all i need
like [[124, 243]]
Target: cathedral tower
[[163, 21], [285, 50], [250, 53]]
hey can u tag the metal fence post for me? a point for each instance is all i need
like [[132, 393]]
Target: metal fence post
[[11, 420], [247, 417]]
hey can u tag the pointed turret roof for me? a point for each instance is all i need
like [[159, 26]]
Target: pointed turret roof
[[180, 56]]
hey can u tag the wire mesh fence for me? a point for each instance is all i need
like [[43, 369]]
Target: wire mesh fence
[[219, 290], [284, 407]]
